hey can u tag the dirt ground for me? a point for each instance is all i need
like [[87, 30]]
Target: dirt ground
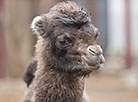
[[101, 88]]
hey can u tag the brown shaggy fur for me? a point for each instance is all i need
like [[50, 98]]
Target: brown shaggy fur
[[66, 52]]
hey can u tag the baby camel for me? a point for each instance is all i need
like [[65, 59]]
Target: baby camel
[[66, 52]]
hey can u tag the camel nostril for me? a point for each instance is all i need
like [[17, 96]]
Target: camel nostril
[[95, 50], [91, 51]]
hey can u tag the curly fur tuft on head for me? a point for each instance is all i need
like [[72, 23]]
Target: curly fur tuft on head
[[67, 13]]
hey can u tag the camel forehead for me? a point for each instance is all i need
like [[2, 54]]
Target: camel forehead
[[61, 29], [86, 28]]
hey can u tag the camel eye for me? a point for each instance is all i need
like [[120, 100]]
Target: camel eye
[[64, 39], [61, 39], [68, 39], [62, 42]]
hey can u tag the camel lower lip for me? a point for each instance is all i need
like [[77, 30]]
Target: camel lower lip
[[93, 66]]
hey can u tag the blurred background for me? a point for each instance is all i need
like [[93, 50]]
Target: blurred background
[[116, 19]]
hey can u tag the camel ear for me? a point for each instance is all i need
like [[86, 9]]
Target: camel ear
[[39, 26]]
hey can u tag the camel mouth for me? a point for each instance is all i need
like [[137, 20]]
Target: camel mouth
[[90, 64]]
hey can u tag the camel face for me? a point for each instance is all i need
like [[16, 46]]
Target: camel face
[[71, 38]]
